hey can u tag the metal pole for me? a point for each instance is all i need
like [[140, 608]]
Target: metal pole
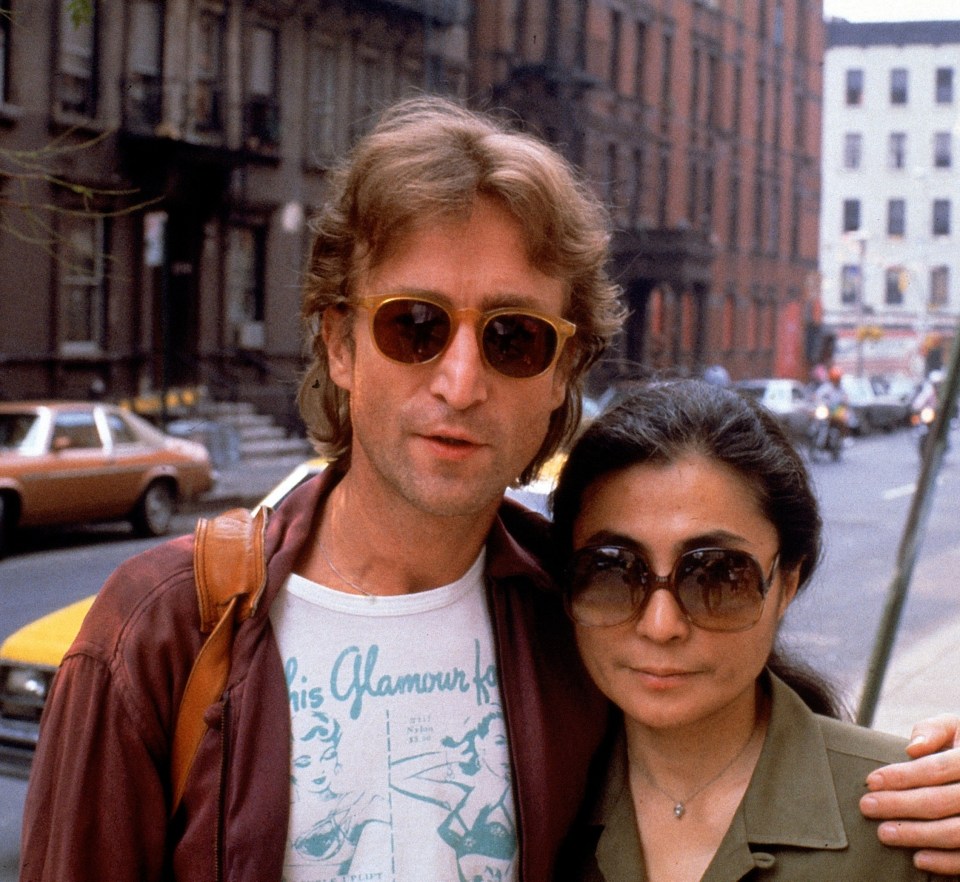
[[910, 542]]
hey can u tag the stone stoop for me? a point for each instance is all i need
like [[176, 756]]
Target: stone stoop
[[258, 435]]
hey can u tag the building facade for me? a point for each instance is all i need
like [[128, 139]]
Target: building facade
[[161, 161], [172, 151], [889, 229], [699, 122]]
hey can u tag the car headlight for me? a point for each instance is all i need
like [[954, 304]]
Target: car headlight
[[23, 690]]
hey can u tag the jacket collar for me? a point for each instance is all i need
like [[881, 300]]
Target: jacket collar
[[517, 542]]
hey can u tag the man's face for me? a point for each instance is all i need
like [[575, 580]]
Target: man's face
[[447, 436]]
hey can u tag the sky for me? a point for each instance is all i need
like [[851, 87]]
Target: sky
[[893, 10]]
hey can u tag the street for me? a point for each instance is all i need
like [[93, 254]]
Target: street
[[865, 498]]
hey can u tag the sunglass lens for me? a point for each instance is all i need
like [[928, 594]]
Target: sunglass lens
[[721, 590], [411, 331], [519, 345], [600, 590]]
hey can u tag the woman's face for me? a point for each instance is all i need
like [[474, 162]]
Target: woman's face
[[660, 669]]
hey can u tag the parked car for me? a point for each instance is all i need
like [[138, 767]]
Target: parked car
[[30, 656], [874, 411], [78, 462], [788, 400]]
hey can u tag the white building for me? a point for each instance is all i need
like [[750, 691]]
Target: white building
[[890, 213]]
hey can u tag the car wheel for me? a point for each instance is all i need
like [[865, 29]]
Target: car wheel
[[155, 509]]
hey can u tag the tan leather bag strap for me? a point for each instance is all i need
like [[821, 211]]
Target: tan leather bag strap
[[230, 571]]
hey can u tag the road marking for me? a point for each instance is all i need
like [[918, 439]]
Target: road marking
[[897, 492]]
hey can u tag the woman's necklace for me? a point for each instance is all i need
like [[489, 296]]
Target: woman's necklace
[[340, 575], [680, 805]]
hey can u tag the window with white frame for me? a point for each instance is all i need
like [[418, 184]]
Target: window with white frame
[[895, 283], [80, 261], [208, 86], [897, 154], [851, 215], [941, 217], [939, 286], [854, 91], [76, 91], [896, 217], [143, 92], [850, 276], [942, 149], [944, 87], [261, 109], [898, 85], [852, 150], [245, 286], [324, 96]]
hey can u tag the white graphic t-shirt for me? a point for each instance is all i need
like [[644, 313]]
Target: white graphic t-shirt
[[400, 765]]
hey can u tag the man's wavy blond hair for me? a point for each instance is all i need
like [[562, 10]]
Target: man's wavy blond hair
[[429, 158]]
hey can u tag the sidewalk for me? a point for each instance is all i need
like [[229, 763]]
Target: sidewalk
[[923, 677]]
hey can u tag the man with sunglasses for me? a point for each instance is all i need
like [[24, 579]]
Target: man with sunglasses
[[406, 702]]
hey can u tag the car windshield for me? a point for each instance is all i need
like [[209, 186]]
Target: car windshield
[[19, 431]]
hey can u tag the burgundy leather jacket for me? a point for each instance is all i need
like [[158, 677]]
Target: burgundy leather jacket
[[99, 797]]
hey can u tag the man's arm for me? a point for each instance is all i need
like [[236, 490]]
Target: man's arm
[[919, 800]]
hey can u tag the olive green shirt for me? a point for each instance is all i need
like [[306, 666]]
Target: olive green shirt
[[799, 819]]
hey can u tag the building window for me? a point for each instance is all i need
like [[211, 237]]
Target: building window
[[896, 217], [693, 196], [855, 87], [245, 286], [737, 99], [774, 226], [942, 149], [941, 217], [81, 284], [894, 285], [616, 31], [898, 85], [939, 286], [796, 208], [640, 62], [76, 65], [663, 182], [665, 78], [777, 114], [709, 185], [326, 139], [850, 284], [944, 89], [778, 23], [851, 215], [208, 73], [898, 150], [143, 92], [612, 188], [636, 189], [261, 122], [713, 90], [799, 120], [695, 88], [758, 214], [370, 91], [729, 321], [5, 16], [852, 150], [761, 108], [733, 220]]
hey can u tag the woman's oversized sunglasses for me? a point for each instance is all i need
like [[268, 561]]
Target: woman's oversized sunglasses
[[515, 342], [718, 589]]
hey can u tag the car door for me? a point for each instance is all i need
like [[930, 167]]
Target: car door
[[71, 483]]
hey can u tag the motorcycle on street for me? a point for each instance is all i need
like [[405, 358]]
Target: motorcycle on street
[[828, 431]]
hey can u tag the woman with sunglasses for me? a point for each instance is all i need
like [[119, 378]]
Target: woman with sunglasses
[[730, 761]]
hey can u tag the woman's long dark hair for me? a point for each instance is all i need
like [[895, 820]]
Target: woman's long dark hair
[[665, 420]]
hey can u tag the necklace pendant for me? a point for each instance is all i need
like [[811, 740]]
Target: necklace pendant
[[679, 810]]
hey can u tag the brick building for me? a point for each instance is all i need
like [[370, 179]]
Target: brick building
[[208, 127], [699, 122]]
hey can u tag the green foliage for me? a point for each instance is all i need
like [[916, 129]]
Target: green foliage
[[80, 11]]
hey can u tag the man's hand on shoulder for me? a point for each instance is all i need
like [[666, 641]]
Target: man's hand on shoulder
[[918, 801]]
